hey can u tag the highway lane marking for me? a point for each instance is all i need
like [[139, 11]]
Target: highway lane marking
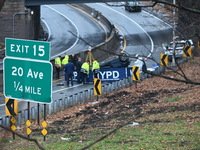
[[77, 35], [67, 88], [58, 80], [152, 43], [157, 18], [102, 25], [49, 31]]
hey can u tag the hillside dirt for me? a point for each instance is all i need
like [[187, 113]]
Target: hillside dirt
[[129, 104]]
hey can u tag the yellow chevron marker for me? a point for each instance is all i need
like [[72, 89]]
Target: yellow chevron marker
[[97, 87], [136, 73], [164, 60]]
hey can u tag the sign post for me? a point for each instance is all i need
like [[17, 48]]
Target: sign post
[[27, 73]]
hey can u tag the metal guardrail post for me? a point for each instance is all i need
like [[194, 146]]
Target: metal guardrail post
[[131, 81], [75, 99], [70, 101], [23, 115], [103, 90], [91, 94], [6, 121], [26, 115], [65, 103], [117, 85], [49, 108], [111, 87], [57, 106], [86, 96], [33, 113], [60, 104], [126, 83], [80, 97], [54, 106], [106, 89]]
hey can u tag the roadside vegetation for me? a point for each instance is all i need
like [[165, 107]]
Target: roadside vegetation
[[158, 114]]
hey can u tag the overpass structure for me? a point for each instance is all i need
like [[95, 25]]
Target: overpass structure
[[18, 22], [43, 2]]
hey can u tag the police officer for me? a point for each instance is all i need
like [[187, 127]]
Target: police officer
[[73, 59], [95, 68], [69, 69], [64, 62], [85, 70], [78, 69], [58, 66]]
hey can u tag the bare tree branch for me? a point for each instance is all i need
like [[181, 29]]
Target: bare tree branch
[[24, 137], [155, 2], [182, 74], [174, 79], [179, 6]]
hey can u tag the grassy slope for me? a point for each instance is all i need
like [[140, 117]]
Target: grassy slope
[[167, 113]]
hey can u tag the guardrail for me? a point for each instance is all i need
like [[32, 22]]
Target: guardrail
[[66, 101], [78, 98]]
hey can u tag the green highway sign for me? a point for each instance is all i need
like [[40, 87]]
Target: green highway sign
[[28, 80], [27, 49]]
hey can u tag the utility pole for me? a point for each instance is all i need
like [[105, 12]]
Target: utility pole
[[174, 35]]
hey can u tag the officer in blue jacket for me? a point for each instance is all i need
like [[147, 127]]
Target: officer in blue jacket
[[69, 69]]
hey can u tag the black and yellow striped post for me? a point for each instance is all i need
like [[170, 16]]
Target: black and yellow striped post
[[44, 130], [97, 87], [28, 130], [44, 124], [28, 122], [13, 127]]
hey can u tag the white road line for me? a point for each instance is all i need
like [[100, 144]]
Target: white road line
[[49, 31], [152, 43], [67, 88], [157, 18], [87, 14], [77, 35]]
